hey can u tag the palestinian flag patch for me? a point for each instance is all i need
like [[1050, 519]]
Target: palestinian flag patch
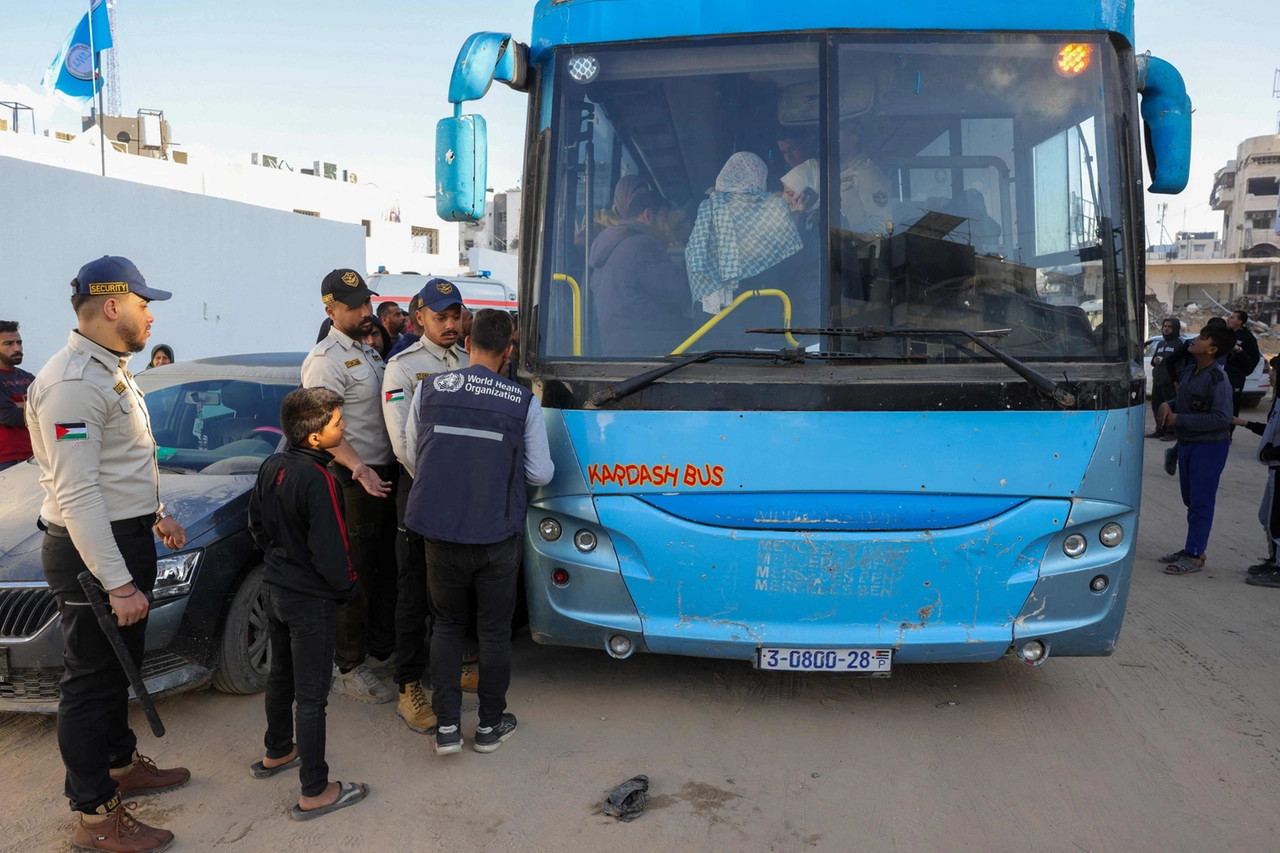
[[74, 431], [395, 395]]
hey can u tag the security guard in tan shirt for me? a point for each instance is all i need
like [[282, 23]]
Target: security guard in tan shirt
[[363, 464], [438, 312], [864, 189], [91, 435]]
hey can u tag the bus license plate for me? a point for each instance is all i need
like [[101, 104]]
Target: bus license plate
[[826, 660]]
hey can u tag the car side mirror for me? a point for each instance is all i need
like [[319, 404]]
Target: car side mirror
[[1166, 113]]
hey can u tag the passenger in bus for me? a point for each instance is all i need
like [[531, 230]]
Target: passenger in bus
[[641, 296], [979, 229], [801, 189], [864, 189], [794, 147], [741, 231]]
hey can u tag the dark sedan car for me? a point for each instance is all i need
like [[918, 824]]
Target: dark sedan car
[[214, 420]]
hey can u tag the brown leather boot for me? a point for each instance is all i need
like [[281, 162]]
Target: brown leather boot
[[143, 777], [121, 832], [470, 680]]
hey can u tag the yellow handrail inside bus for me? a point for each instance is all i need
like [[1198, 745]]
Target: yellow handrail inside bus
[[577, 310], [711, 324]]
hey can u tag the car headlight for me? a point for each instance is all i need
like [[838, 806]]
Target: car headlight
[[176, 574]]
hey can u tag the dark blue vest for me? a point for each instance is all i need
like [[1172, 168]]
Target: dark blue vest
[[469, 484]]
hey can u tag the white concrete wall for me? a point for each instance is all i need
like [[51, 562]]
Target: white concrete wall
[[389, 242], [244, 278]]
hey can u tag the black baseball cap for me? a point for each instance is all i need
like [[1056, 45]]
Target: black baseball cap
[[345, 286], [439, 294], [111, 276]]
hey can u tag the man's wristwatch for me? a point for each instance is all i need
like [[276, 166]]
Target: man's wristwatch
[[161, 516]]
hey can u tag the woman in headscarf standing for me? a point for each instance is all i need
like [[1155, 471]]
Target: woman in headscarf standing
[[741, 235], [741, 231], [161, 354]]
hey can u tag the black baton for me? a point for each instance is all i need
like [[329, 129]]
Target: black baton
[[107, 620]]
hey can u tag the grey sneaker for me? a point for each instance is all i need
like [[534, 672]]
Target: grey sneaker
[[489, 738], [381, 668], [363, 686], [448, 740]]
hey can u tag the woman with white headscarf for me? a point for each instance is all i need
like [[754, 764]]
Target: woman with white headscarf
[[740, 232]]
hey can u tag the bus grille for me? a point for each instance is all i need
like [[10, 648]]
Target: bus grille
[[25, 610]]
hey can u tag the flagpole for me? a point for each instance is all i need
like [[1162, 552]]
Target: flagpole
[[97, 92]]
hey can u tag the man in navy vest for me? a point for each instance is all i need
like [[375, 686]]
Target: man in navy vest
[[473, 526]]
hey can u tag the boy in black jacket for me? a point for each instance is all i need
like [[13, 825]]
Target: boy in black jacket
[[296, 517]]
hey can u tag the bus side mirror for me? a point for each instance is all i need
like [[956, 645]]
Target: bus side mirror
[[462, 149], [1166, 113], [486, 57], [462, 143]]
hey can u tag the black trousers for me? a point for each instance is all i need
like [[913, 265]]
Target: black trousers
[[413, 608], [302, 630], [93, 714], [454, 572], [367, 623], [1161, 393]]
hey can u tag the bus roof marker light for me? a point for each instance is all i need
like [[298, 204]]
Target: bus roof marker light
[[584, 68], [1073, 60]]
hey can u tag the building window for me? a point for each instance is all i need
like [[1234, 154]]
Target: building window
[[425, 240], [1264, 186], [1257, 283], [368, 227], [307, 212], [1264, 220]]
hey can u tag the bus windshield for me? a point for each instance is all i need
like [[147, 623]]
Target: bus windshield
[[701, 190]]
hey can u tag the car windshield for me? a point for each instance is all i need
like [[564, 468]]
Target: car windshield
[[215, 426], [701, 190]]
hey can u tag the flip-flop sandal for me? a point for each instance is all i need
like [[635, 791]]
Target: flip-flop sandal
[[349, 793], [262, 771], [1185, 566]]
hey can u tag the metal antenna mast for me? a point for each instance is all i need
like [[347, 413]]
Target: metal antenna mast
[[111, 65]]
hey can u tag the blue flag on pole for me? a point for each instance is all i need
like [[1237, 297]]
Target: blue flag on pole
[[72, 72]]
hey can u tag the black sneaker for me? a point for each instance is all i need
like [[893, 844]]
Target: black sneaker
[[489, 738], [448, 739], [1171, 461], [1263, 567], [1271, 579]]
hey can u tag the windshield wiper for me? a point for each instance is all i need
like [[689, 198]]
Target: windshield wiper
[[641, 381], [172, 470], [782, 356], [1038, 380]]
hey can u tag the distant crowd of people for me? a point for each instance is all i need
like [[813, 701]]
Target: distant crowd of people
[[1197, 385]]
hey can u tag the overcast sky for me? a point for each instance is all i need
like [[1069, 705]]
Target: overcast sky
[[363, 84]]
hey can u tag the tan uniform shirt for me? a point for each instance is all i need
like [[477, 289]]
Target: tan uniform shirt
[[864, 197], [91, 435], [404, 371], [354, 370]]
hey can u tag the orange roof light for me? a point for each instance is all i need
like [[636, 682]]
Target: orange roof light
[[1073, 59]]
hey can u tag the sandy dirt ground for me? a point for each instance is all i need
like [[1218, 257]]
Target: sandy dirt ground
[[1171, 745]]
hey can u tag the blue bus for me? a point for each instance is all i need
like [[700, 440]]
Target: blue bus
[[801, 295]]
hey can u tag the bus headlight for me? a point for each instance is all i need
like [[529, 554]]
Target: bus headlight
[[1033, 652], [549, 529], [1111, 535], [176, 574], [1074, 546], [584, 541]]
